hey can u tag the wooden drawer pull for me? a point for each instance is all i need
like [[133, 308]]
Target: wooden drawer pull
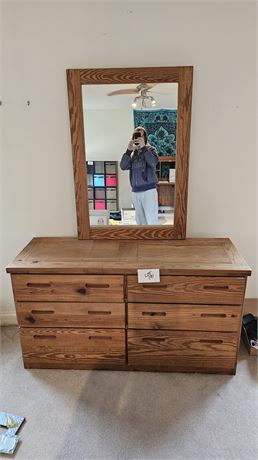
[[91, 312], [153, 339], [216, 288], [99, 337], [213, 315], [39, 285], [154, 313], [154, 286], [101, 286], [83, 290], [210, 341], [42, 312], [44, 337]]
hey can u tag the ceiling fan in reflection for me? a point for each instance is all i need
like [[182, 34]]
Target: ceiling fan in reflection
[[142, 89]]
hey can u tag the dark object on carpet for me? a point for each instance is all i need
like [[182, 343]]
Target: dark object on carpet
[[115, 215], [249, 332]]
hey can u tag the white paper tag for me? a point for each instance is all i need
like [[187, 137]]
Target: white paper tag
[[148, 275]]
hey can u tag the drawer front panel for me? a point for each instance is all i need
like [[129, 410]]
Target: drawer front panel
[[61, 314], [184, 317], [188, 289], [68, 288], [168, 347], [73, 346]]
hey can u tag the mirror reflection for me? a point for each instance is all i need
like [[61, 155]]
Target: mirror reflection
[[130, 144]]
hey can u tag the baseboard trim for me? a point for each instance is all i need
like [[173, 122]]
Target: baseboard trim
[[8, 319], [251, 306]]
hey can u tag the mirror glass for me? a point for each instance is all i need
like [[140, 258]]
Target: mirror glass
[[134, 186]]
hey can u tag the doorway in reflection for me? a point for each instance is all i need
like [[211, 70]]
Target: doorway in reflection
[[111, 112]]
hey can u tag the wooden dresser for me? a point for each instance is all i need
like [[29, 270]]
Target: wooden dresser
[[79, 304]]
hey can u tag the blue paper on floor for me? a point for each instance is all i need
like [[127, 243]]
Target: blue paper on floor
[[8, 443], [9, 440]]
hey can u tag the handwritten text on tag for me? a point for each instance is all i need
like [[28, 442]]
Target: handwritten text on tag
[[150, 275]]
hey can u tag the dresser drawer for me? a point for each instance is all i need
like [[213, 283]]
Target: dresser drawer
[[62, 314], [188, 289], [68, 288], [182, 349], [184, 317], [67, 346]]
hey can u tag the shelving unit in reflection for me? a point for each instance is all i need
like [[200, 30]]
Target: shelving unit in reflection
[[166, 171], [102, 185]]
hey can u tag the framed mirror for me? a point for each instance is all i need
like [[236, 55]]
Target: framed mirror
[[129, 188]]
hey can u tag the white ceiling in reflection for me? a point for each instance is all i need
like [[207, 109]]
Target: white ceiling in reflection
[[95, 96]]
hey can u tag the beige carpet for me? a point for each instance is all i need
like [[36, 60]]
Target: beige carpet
[[80, 415]]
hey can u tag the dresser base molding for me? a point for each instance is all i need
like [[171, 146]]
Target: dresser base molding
[[177, 368], [79, 305]]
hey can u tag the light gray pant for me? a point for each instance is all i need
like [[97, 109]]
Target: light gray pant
[[146, 207]]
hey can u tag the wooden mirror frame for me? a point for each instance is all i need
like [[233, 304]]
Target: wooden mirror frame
[[78, 77]]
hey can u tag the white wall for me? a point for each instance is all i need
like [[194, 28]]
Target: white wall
[[107, 133], [41, 40]]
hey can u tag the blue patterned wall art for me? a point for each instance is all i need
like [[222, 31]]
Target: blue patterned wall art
[[160, 125]]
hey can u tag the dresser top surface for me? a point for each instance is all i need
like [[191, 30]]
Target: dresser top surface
[[198, 256]]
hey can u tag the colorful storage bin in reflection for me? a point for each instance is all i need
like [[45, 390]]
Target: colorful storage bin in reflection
[[111, 180], [90, 179], [91, 204], [111, 193], [99, 193], [110, 167], [99, 180], [90, 193], [99, 204], [111, 205], [99, 167]]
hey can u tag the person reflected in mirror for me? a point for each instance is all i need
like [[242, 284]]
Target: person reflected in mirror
[[141, 160]]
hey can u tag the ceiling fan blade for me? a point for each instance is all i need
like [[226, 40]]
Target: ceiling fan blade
[[123, 91], [150, 85], [156, 92]]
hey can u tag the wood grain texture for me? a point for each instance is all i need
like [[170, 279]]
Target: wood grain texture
[[130, 75], [183, 146], [166, 193], [70, 298], [188, 289], [149, 232], [68, 288], [78, 152], [71, 314], [184, 317], [160, 347], [72, 346], [204, 365], [193, 256], [167, 158], [78, 77]]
